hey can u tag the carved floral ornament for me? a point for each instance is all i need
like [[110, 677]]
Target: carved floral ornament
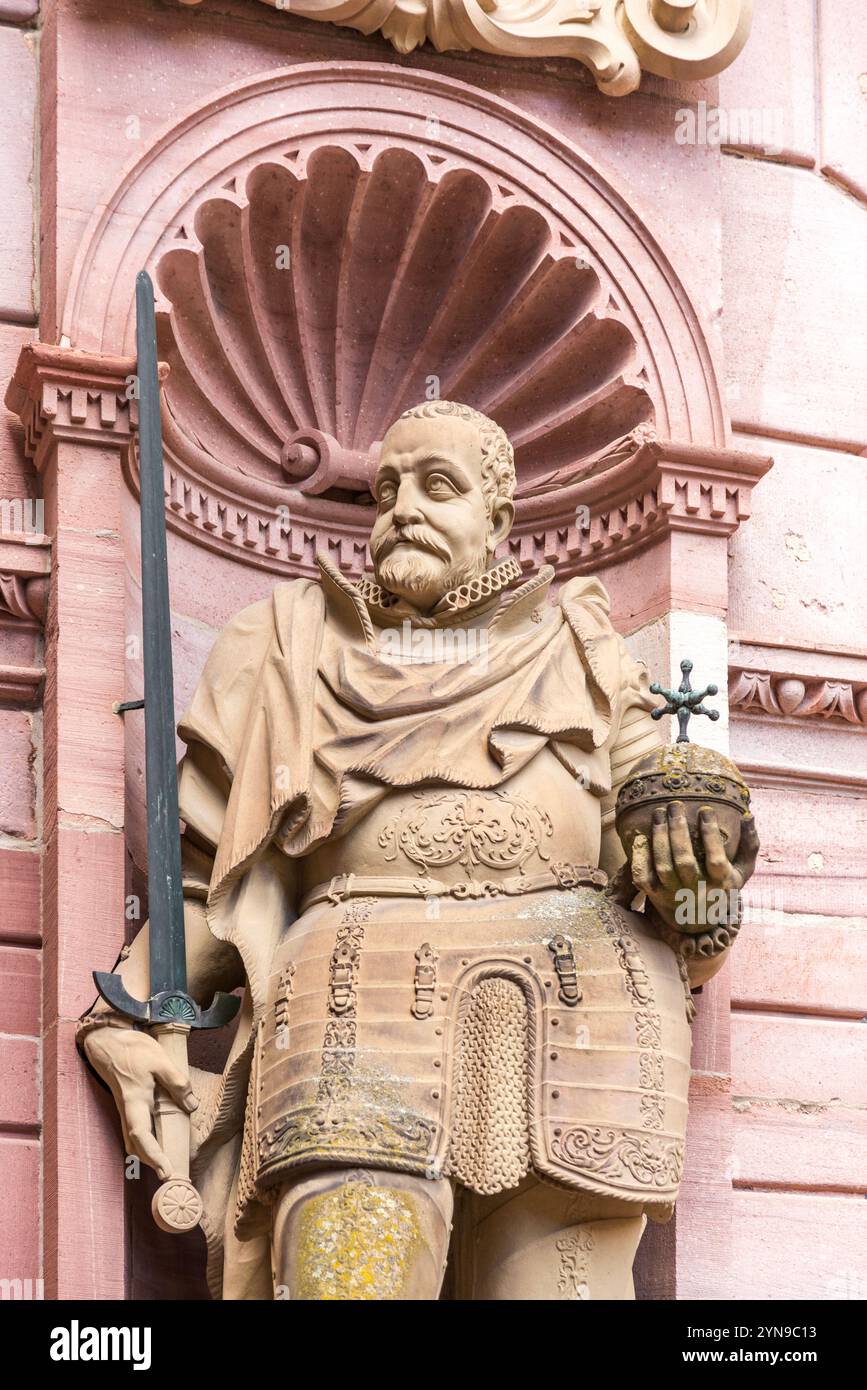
[[616, 39], [332, 243], [798, 697]]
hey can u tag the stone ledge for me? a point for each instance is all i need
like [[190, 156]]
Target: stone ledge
[[61, 393]]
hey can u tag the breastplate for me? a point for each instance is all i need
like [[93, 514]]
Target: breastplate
[[539, 817]]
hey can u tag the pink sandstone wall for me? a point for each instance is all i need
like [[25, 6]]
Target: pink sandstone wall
[[20, 718], [794, 257], [770, 243]]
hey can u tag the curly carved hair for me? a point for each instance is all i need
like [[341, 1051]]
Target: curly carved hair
[[498, 459]]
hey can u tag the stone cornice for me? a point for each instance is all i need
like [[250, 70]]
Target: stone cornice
[[612, 510], [626, 500], [25, 566], [782, 777], [20, 685], [61, 393]]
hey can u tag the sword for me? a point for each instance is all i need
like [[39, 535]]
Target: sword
[[170, 1012]]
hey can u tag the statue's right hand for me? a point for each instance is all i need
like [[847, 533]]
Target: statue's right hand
[[132, 1064]]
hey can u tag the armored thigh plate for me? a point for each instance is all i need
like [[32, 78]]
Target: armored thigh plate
[[476, 1040]]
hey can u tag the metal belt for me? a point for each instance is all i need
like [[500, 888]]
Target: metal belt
[[559, 875]]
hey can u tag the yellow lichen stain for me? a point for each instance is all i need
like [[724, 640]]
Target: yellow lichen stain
[[356, 1242]]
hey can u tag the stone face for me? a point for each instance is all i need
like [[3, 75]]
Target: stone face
[[804, 963], [843, 93], [812, 855], [19, 1210], [83, 1201], [18, 11], [767, 96], [17, 115], [76, 859], [19, 1095], [16, 474], [17, 786], [790, 311], [706, 1268], [20, 894], [794, 1245], [799, 1145], [814, 1060], [88, 679], [797, 572], [19, 990]]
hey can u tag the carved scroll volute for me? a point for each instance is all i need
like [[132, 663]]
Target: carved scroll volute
[[315, 462], [616, 39], [687, 39]]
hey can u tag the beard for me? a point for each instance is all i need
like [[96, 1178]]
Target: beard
[[425, 571]]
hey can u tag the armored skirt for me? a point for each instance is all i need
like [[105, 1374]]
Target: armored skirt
[[546, 1032]]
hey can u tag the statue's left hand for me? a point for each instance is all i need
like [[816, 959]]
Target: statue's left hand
[[665, 865]]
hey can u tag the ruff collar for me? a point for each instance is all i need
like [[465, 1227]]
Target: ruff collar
[[374, 604]]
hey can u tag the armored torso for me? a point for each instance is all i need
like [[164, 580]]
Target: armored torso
[[447, 835], [463, 999]]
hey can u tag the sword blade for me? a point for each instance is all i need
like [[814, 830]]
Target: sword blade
[[166, 905]]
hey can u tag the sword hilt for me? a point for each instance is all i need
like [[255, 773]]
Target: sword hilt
[[176, 1205], [170, 1014], [168, 1006]]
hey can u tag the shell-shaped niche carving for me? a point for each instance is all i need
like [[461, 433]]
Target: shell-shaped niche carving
[[306, 307]]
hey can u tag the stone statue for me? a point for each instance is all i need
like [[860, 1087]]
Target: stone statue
[[399, 798]]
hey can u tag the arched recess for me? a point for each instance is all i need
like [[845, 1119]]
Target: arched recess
[[331, 243]]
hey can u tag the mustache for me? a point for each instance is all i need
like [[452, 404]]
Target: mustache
[[411, 535]]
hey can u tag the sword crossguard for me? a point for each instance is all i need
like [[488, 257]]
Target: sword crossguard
[[168, 1006]]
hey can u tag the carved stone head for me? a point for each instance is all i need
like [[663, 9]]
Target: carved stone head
[[443, 491]]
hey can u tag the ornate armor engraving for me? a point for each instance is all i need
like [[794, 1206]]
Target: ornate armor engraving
[[338, 1059], [345, 957], [648, 1031], [688, 772], [622, 1158], [574, 1252], [425, 980], [687, 992], [567, 972], [284, 994], [471, 829], [378, 1138]]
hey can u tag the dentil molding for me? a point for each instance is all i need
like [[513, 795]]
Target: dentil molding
[[681, 39]]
